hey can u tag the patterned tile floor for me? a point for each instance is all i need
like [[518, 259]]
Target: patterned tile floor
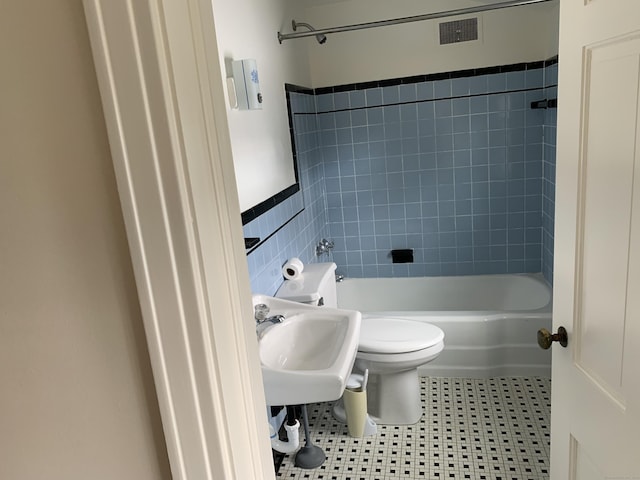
[[472, 428]]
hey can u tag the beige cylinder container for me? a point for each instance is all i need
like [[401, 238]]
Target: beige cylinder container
[[355, 405]]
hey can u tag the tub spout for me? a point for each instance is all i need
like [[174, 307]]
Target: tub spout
[[293, 438]]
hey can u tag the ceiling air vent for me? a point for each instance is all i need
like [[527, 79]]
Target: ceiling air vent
[[459, 31]]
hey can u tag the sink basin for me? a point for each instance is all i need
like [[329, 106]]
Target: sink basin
[[308, 357]]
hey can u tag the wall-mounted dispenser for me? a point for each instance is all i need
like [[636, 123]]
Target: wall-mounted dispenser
[[246, 85]]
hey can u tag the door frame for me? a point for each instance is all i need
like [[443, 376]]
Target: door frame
[[165, 111]]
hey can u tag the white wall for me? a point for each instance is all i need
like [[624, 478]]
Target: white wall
[[513, 35], [78, 400], [260, 138]]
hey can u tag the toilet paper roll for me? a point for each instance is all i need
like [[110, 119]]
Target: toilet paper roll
[[293, 268]]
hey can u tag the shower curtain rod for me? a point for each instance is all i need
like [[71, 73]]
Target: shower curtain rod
[[416, 18]]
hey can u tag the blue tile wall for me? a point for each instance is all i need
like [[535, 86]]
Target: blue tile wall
[[549, 174], [461, 170], [299, 236], [451, 168]]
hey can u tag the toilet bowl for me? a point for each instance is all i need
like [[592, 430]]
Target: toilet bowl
[[391, 348]]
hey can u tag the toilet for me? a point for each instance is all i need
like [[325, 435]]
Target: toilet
[[391, 349]]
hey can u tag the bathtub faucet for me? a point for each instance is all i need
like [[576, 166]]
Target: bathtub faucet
[[324, 246]]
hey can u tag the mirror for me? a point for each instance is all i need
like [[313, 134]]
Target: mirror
[[263, 220]]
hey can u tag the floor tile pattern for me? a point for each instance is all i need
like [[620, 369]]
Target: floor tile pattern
[[495, 429]]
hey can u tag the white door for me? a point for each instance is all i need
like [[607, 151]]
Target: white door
[[595, 431]]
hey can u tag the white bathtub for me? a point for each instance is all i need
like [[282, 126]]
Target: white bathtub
[[489, 321]]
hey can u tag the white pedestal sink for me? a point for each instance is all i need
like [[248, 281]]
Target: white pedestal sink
[[308, 357]]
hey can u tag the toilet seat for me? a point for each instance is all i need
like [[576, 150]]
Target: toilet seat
[[396, 362], [395, 335]]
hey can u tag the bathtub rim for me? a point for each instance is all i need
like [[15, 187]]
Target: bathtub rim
[[461, 315], [538, 277]]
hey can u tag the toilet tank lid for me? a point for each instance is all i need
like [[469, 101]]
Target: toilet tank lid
[[306, 288]]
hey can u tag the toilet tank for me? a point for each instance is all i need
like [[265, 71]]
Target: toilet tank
[[316, 285]]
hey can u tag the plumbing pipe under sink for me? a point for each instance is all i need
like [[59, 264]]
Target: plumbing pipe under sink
[[293, 438]]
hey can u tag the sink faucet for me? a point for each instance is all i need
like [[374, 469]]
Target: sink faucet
[[262, 321], [263, 325]]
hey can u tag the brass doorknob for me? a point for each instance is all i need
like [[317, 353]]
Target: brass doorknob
[[546, 338]]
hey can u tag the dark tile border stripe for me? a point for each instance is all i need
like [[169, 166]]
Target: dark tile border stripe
[[290, 88], [473, 72], [437, 99], [269, 203]]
